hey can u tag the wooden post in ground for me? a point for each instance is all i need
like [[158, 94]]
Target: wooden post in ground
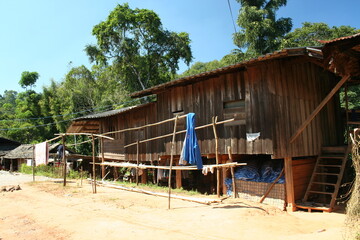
[[232, 173], [347, 113], [137, 162], [64, 158], [178, 178], [289, 185], [144, 176], [214, 120], [172, 158], [102, 158], [93, 158]]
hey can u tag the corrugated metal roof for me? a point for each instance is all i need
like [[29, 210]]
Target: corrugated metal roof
[[190, 79], [110, 113], [105, 114], [23, 151], [340, 39], [6, 145]]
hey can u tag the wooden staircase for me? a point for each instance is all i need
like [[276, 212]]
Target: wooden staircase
[[326, 178]]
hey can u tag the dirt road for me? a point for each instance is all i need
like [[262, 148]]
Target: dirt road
[[46, 210]]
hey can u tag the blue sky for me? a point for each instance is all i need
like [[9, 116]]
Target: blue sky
[[46, 35]]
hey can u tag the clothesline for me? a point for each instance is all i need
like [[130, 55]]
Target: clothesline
[[144, 166]]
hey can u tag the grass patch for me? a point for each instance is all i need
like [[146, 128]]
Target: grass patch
[[51, 171], [157, 188]]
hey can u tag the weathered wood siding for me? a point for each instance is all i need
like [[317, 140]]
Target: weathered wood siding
[[278, 95], [133, 118], [110, 124], [136, 118]]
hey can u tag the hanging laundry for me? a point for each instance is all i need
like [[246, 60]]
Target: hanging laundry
[[191, 151], [41, 153], [60, 151], [207, 169]]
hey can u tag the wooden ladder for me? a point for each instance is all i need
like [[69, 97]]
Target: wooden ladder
[[325, 180]]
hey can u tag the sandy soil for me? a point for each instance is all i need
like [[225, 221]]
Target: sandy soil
[[47, 210]]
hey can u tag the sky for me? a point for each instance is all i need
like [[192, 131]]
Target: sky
[[49, 36]]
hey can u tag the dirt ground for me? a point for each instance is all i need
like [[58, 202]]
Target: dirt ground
[[47, 210]]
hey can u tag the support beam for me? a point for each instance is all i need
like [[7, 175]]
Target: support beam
[[289, 185], [318, 108], [172, 159]]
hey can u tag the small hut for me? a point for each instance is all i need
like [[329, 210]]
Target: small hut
[[20, 155], [6, 145]]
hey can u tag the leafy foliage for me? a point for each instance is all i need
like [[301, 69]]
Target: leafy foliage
[[310, 34], [134, 42], [261, 32], [28, 79]]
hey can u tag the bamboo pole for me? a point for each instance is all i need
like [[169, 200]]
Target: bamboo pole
[[145, 126], [127, 165], [271, 186], [214, 120], [347, 112], [53, 139], [137, 162], [33, 164], [207, 201], [102, 157], [64, 158], [172, 158], [87, 134], [179, 132], [94, 171], [232, 173]]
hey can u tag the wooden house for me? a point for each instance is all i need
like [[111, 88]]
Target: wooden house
[[284, 107]]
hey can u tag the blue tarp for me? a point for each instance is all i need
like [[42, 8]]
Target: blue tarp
[[267, 173], [191, 151]]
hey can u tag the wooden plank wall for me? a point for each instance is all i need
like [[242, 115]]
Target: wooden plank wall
[[136, 118], [296, 90], [278, 94], [110, 124], [206, 99], [302, 170]]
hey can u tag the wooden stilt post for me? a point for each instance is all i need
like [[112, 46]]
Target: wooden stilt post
[[232, 173], [347, 112], [172, 158], [137, 162], [102, 158], [214, 120], [93, 158], [33, 163], [64, 158], [289, 185]]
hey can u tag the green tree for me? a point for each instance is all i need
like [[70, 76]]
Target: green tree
[[310, 34], [143, 53], [260, 32], [28, 79], [27, 114]]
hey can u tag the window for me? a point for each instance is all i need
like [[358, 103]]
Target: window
[[235, 109]]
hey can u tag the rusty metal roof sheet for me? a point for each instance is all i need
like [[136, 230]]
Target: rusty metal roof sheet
[[194, 78], [340, 39], [110, 113]]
